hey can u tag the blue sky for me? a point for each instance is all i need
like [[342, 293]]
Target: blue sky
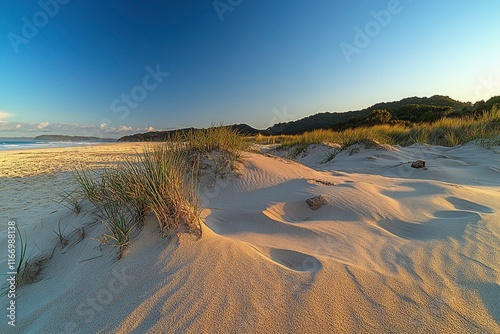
[[110, 68]]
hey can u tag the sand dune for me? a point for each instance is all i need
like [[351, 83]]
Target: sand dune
[[395, 250]]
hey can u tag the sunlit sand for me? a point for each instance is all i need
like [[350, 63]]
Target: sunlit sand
[[395, 249]]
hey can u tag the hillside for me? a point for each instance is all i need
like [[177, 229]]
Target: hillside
[[406, 109]]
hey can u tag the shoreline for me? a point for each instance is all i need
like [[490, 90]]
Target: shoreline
[[69, 146], [45, 144]]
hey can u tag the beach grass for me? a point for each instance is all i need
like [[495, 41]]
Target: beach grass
[[71, 201], [484, 128], [156, 181], [163, 179], [27, 268], [63, 240], [22, 260], [225, 140]]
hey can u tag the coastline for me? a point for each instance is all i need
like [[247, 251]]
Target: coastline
[[32, 144]]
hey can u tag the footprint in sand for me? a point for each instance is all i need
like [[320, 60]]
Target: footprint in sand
[[445, 224], [455, 214], [292, 212], [298, 212], [295, 260], [463, 204]]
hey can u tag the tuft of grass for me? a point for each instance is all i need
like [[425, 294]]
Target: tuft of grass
[[488, 143], [163, 180], [108, 192], [451, 138], [331, 154], [228, 143], [168, 184], [27, 270], [22, 260], [119, 222], [71, 201], [297, 150], [63, 240], [90, 186], [120, 186]]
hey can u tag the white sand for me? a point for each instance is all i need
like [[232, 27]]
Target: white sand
[[34, 182], [396, 250]]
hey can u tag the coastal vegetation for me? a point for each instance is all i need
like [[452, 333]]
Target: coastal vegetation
[[446, 131], [163, 180]]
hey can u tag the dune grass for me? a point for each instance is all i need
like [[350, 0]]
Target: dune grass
[[27, 269], [71, 201], [458, 131], [162, 180], [119, 222], [110, 201], [216, 138], [158, 180], [63, 240], [166, 182], [22, 259], [226, 141], [485, 129]]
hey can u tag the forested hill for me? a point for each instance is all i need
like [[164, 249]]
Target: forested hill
[[411, 109]]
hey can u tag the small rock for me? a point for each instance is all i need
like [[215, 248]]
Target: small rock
[[418, 164], [317, 202]]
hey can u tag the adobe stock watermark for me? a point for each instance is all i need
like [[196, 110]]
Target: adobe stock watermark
[[223, 6], [139, 93], [364, 36], [11, 273], [131, 99], [89, 308], [280, 117], [486, 88], [48, 9]]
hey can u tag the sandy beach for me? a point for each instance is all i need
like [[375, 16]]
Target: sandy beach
[[394, 249], [34, 182]]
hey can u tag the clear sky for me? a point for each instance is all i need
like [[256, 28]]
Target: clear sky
[[110, 68]]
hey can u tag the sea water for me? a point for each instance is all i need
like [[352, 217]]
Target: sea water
[[20, 144]]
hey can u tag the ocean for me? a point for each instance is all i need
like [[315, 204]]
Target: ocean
[[20, 144]]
